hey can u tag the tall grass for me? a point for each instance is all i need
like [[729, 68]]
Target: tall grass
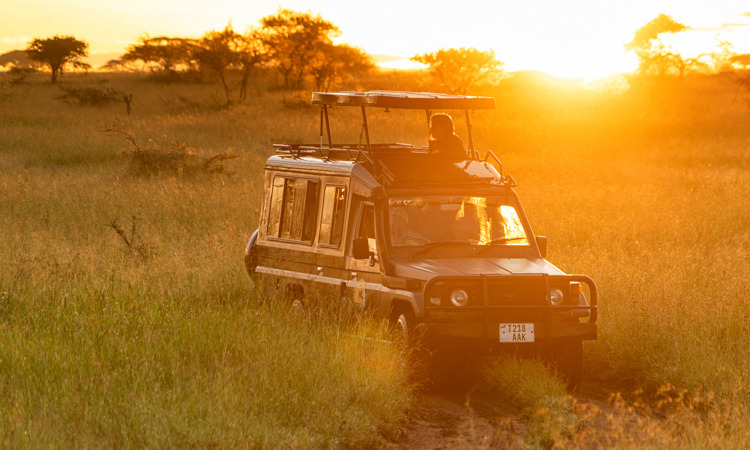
[[167, 345], [162, 343]]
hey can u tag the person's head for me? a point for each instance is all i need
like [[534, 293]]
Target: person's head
[[441, 125], [399, 221]]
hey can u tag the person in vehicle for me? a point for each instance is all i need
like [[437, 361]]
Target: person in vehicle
[[443, 141], [466, 224], [401, 232]]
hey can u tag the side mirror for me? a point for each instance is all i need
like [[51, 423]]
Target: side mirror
[[541, 242], [360, 248]]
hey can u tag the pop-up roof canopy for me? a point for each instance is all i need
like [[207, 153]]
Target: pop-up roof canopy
[[397, 100], [399, 163], [402, 100]]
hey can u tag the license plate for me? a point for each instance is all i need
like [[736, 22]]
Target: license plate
[[516, 332]]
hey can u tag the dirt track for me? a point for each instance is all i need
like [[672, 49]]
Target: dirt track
[[460, 421], [463, 418]]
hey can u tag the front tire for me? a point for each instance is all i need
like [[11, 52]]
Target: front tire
[[566, 356], [404, 327]]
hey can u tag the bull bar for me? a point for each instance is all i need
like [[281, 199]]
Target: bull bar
[[476, 318]]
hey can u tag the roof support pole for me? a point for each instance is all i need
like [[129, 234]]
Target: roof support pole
[[367, 130], [328, 127], [320, 145], [428, 120], [471, 138]]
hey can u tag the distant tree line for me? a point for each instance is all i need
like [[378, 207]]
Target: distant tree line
[[657, 59], [298, 47]]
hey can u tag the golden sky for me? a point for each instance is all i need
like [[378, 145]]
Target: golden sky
[[571, 38]]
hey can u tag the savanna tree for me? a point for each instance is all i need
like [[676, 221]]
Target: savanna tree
[[722, 60], [161, 53], [215, 53], [251, 54], [15, 58], [224, 52], [57, 52], [654, 56], [333, 63], [460, 69], [293, 40], [741, 64]]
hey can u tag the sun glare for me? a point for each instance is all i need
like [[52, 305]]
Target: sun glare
[[400, 64], [570, 38]]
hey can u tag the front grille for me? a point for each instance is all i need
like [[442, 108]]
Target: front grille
[[503, 298], [531, 292], [500, 292]]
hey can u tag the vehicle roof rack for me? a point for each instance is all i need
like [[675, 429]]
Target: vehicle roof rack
[[402, 100], [397, 100]]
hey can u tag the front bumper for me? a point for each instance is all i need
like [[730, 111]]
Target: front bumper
[[528, 296]]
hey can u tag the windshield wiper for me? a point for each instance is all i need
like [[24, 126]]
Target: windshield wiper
[[494, 242], [433, 245]]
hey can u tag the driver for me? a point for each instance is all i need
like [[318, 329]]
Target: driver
[[401, 233]]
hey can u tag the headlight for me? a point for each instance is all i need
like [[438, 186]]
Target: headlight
[[576, 292], [556, 297], [459, 297]]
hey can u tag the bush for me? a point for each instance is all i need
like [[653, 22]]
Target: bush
[[92, 96], [178, 158]]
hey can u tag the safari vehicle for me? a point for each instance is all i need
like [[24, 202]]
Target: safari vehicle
[[441, 249]]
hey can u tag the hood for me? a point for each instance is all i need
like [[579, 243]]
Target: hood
[[424, 269]]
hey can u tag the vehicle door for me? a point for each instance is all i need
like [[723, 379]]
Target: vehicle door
[[364, 286]]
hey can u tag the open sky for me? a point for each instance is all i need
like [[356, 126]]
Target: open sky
[[570, 38]]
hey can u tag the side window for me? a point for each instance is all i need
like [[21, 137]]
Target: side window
[[274, 215], [367, 226], [332, 222], [293, 209]]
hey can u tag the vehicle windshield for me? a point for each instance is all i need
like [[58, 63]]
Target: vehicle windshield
[[450, 219]]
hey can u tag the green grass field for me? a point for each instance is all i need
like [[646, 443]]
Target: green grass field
[[154, 337]]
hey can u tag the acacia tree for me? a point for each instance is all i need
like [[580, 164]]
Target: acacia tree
[[740, 62], [654, 56], [161, 53], [293, 39], [215, 53], [332, 63], [722, 60], [251, 54], [57, 52], [459, 69], [223, 52], [741, 65], [15, 58]]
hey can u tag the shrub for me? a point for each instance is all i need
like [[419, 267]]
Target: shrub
[[178, 158], [92, 96]]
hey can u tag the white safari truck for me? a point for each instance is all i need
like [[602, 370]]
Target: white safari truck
[[439, 248]]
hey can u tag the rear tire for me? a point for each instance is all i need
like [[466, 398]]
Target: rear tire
[[251, 258], [295, 295]]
